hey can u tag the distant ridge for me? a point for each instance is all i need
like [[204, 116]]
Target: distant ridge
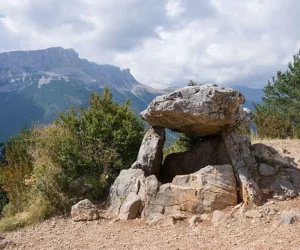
[[35, 85]]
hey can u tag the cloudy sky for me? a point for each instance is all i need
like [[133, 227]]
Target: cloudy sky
[[163, 42]]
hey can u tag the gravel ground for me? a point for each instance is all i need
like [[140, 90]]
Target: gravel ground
[[233, 233]]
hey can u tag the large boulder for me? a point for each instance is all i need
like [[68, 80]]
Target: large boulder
[[211, 188], [128, 181], [130, 207], [200, 110], [84, 210], [151, 151], [283, 189], [208, 151], [268, 155]]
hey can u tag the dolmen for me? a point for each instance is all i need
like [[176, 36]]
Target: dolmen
[[221, 170]]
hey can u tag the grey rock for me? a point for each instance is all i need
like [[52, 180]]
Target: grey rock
[[150, 155], [153, 209], [294, 176], [287, 219], [266, 170], [84, 210], [152, 185], [172, 210], [270, 210], [211, 188], [244, 165], [154, 218], [131, 207], [283, 189], [128, 181], [200, 110], [268, 155]]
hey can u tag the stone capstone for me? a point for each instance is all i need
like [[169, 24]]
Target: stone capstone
[[150, 155], [84, 210], [200, 110]]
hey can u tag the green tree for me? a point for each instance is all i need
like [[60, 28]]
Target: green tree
[[44, 164], [279, 115], [108, 123]]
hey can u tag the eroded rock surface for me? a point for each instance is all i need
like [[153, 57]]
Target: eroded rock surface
[[222, 168], [151, 151], [213, 187], [200, 110], [129, 181], [84, 210]]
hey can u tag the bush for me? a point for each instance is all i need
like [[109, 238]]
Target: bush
[[16, 170], [42, 165], [273, 125]]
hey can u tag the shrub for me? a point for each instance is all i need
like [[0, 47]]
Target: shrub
[[16, 170], [43, 164], [272, 125]]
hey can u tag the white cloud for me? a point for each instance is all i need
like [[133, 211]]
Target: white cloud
[[174, 8], [164, 42]]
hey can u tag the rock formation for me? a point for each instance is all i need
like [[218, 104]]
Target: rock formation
[[84, 210], [222, 168]]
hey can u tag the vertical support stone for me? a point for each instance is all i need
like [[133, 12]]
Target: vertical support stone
[[150, 155], [244, 166]]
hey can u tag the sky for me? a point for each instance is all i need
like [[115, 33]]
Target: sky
[[163, 42]]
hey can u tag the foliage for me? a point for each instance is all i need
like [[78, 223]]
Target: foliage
[[279, 116], [43, 164], [16, 170], [107, 123], [183, 143], [272, 125]]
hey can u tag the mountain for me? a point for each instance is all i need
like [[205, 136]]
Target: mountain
[[251, 95], [36, 85]]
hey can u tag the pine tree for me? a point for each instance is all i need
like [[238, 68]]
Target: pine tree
[[282, 103]]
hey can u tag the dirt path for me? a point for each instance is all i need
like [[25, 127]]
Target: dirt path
[[233, 233]]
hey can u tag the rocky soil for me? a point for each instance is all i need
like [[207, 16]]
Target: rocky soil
[[276, 225]]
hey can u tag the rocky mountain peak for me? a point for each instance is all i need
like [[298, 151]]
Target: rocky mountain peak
[[38, 60]]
